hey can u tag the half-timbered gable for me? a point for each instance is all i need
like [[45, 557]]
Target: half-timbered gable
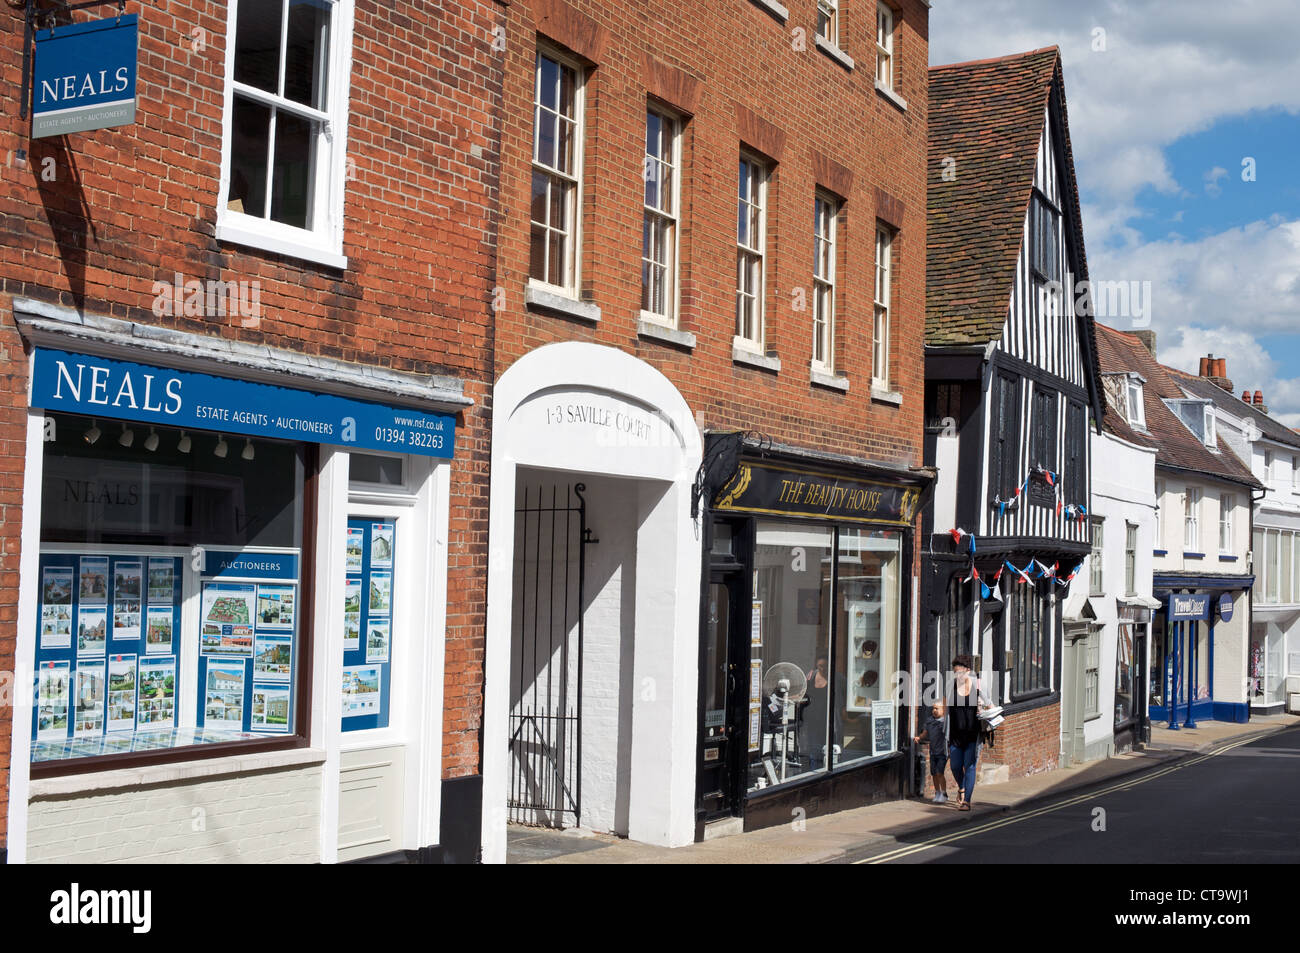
[[1012, 386]]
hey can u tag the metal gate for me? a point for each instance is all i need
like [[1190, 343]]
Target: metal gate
[[551, 538]]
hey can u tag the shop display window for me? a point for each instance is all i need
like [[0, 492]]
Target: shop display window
[[170, 610], [824, 649]]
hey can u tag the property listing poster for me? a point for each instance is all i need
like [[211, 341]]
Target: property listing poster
[[101, 615], [248, 632], [368, 623]]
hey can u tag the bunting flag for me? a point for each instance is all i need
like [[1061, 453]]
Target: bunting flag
[[958, 534], [1053, 479], [1022, 573], [973, 574]]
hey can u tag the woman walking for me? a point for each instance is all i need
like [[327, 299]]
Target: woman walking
[[964, 729]]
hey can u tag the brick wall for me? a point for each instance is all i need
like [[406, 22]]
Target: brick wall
[[741, 75], [92, 220], [1028, 742], [257, 818]]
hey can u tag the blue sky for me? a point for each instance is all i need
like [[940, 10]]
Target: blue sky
[[1166, 99]]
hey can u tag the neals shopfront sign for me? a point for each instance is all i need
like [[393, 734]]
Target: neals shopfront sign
[[100, 387], [84, 77]]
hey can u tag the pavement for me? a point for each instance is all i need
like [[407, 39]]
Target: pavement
[[879, 827]]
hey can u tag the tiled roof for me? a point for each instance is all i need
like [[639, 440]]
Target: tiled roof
[[1270, 428], [986, 119], [1176, 446]]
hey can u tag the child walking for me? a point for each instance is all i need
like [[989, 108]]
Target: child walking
[[935, 730]]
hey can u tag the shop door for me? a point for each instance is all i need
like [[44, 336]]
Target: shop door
[[1141, 684], [372, 768], [721, 712]]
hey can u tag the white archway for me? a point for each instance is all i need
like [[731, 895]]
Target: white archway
[[593, 410]]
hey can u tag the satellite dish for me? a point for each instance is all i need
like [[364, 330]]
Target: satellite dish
[[788, 676]]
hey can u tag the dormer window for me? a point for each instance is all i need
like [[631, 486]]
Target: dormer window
[[1136, 412], [1198, 417]]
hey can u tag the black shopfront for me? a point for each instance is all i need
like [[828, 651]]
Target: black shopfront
[[806, 605]]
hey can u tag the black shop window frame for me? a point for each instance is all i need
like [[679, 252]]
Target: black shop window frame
[[1030, 625], [300, 738]]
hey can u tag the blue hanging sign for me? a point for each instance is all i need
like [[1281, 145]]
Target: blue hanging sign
[[100, 387], [84, 77], [1225, 607], [1187, 608]]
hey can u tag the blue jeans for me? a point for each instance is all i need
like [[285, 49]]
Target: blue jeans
[[963, 759]]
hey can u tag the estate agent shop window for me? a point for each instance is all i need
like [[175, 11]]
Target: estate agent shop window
[[174, 587], [170, 601], [825, 629]]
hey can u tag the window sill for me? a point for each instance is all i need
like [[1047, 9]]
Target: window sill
[[537, 298], [1193, 555], [1159, 552], [661, 332], [892, 96], [237, 235], [882, 396], [72, 784], [1227, 559], [832, 381], [764, 362], [774, 8], [834, 52]]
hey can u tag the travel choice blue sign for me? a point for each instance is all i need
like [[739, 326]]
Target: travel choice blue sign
[[1185, 608], [1225, 607], [84, 77], [99, 387]]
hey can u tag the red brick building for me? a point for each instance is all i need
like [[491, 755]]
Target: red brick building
[[707, 413], [296, 239]]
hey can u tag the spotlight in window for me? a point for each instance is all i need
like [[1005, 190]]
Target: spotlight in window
[[127, 438], [151, 441], [247, 452], [220, 450], [93, 434], [183, 445]]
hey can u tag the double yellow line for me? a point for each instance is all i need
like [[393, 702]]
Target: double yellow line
[[1125, 785]]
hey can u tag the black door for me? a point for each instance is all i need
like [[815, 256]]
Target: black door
[[719, 737]]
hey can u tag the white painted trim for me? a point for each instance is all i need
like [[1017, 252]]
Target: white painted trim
[[662, 806], [327, 649], [20, 751], [239, 230]]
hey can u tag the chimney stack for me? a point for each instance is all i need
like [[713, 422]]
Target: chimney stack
[[1215, 370], [1148, 339], [1259, 402]]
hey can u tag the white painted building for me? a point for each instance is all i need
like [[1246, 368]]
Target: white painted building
[[1273, 453], [1104, 710]]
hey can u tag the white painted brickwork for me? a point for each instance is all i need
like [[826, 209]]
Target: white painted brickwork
[[266, 817]]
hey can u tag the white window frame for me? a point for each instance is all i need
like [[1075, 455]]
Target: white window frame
[[1097, 569], [826, 218], [830, 9], [1227, 503], [572, 280], [1273, 564], [1211, 439], [1268, 466], [885, 45], [1191, 520], [1160, 510], [323, 243], [880, 329], [1092, 676], [672, 125], [1130, 558], [1136, 410], [1295, 474], [756, 183]]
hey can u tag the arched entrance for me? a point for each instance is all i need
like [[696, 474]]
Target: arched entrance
[[592, 639]]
